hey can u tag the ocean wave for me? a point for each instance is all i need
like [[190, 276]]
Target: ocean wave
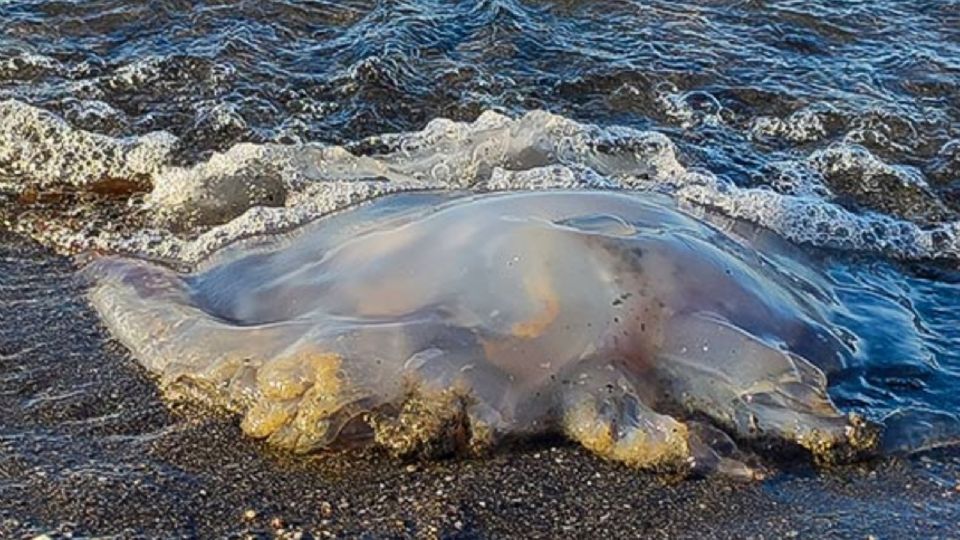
[[189, 211]]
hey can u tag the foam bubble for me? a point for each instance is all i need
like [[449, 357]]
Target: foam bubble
[[40, 149], [805, 125]]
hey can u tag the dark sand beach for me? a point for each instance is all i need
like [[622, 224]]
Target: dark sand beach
[[88, 448]]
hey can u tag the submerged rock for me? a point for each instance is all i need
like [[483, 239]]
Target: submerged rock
[[435, 323]]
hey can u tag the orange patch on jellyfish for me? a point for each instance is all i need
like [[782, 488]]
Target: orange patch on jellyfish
[[541, 289]]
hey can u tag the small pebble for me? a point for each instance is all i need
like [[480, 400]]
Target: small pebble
[[250, 515]]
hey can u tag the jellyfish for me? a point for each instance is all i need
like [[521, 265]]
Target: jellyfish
[[434, 323]]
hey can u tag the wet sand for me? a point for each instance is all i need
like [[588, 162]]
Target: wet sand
[[87, 447]]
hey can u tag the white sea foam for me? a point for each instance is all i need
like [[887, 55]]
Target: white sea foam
[[261, 188], [805, 125], [40, 149]]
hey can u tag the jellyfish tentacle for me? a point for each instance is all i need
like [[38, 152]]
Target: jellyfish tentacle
[[603, 410], [451, 398], [714, 452], [305, 397], [710, 366]]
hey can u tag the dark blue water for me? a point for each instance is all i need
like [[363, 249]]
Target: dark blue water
[[170, 128]]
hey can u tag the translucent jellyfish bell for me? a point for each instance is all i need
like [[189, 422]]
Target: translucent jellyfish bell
[[438, 323]]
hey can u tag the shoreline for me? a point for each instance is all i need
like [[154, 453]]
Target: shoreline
[[87, 447]]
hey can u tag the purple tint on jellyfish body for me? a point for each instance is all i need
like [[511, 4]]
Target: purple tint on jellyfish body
[[449, 323]]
